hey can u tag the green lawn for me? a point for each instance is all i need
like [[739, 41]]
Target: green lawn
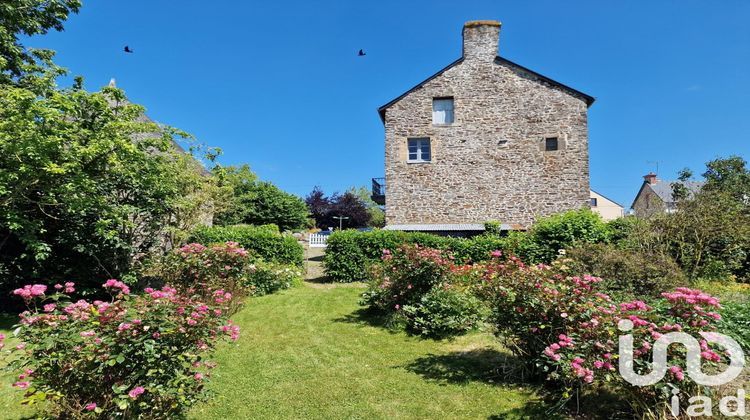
[[310, 352]]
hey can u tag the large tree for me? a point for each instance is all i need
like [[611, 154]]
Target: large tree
[[255, 202], [350, 205], [21, 65], [79, 197]]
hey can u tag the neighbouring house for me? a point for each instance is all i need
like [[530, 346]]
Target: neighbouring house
[[608, 209], [657, 196], [483, 139]]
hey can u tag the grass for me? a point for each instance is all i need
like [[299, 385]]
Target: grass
[[311, 352]]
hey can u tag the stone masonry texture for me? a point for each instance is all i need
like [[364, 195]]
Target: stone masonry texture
[[490, 164]]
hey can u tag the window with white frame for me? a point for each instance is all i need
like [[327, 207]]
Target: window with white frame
[[442, 111], [419, 150]]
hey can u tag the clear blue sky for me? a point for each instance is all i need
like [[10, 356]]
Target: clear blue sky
[[278, 84]]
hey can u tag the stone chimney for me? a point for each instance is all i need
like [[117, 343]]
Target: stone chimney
[[650, 178], [481, 38]]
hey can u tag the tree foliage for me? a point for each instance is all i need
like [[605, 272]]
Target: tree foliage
[[351, 204], [80, 197], [24, 66], [254, 202]]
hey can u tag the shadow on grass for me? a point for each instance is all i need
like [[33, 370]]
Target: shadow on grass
[[322, 279], [7, 321], [534, 409], [486, 365], [371, 318]]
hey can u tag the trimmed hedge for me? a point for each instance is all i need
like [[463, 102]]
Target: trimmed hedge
[[349, 252], [265, 240]]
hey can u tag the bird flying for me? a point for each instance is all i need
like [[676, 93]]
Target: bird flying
[[361, 53], [128, 50]]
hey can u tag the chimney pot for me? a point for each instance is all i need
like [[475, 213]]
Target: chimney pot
[[650, 178], [481, 40]]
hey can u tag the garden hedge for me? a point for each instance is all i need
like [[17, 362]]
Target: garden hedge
[[264, 240], [349, 252]]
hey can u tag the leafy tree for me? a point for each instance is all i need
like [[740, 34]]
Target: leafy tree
[[83, 192], [349, 204], [258, 203], [318, 205], [377, 215], [709, 234], [730, 175], [27, 67]]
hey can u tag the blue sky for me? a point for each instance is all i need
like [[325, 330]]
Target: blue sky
[[278, 84]]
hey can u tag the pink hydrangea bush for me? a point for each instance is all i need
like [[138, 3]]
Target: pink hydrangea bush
[[130, 356], [197, 269], [566, 329], [427, 289]]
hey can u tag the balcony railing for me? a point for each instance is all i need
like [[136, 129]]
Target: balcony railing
[[378, 190]]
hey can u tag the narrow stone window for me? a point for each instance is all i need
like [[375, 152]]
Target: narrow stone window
[[550, 144], [442, 111], [419, 150], [594, 202]]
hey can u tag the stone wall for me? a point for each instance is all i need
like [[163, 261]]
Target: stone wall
[[490, 164], [648, 203]]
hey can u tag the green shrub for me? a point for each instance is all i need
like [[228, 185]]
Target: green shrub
[[269, 277], [551, 234], [627, 272], [264, 240], [350, 252], [444, 312], [735, 322], [424, 287]]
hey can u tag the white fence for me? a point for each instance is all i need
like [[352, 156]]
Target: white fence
[[318, 241]]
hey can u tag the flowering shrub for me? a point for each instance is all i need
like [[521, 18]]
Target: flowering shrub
[[566, 329], [133, 356], [197, 269], [269, 277], [426, 288]]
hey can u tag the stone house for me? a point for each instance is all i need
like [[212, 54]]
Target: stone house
[[483, 139], [607, 208], [657, 196]]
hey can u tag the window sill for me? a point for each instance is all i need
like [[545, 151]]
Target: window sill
[[418, 162]]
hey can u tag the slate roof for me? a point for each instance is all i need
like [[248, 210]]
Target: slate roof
[[500, 60], [663, 189]]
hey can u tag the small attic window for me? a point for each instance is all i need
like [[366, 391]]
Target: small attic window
[[442, 111], [550, 144], [594, 202]]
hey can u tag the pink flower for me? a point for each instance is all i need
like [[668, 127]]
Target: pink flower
[[135, 392], [677, 372], [31, 291], [88, 333], [117, 285], [69, 287], [496, 254], [22, 385], [198, 376], [90, 407], [49, 307]]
